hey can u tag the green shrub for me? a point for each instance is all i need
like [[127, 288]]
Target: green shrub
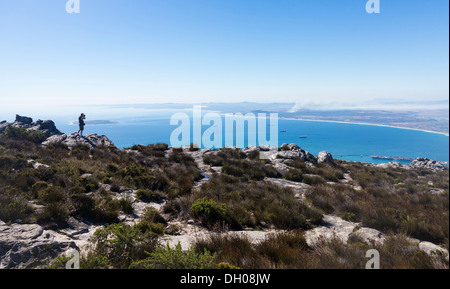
[[51, 195], [254, 170], [152, 215], [84, 205], [226, 266], [107, 210], [181, 158], [121, 245], [80, 151], [88, 184], [234, 249], [7, 163], [112, 168], [213, 160], [127, 205], [283, 218], [40, 185], [284, 249], [151, 227], [56, 212], [18, 133], [209, 211], [13, 206], [349, 216], [168, 258], [294, 175], [149, 196], [313, 180], [106, 180]]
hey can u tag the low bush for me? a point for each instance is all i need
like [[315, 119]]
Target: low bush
[[259, 204], [149, 196], [121, 245], [14, 206], [18, 133], [176, 258], [126, 205], [233, 249], [150, 227], [294, 175], [210, 212], [152, 215]]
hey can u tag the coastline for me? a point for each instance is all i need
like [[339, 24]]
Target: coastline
[[365, 123]]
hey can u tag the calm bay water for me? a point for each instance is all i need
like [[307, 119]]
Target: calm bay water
[[344, 141]]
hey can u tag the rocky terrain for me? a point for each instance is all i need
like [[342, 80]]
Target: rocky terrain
[[305, 178]]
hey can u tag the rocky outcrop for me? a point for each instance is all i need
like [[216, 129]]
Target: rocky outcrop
[[424, 163], [24, 119], [47, 127], [291, 151], [28, 246], [286, 151], [335, 227], [392, 165], [427, 164], [91, 140]]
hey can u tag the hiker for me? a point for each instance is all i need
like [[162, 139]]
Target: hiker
[[81, 123]]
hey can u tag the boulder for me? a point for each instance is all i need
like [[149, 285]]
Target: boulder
[[331, 227], [264, 148], [432, 249], [369, 236], [55, 139], [305, 156], [293, 147], [29, 245], [288, 154], [37, 165], [284, 146], [325, 157], [300, 189], [281, 168]]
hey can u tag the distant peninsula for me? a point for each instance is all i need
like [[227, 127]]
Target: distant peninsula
[[433, 120]]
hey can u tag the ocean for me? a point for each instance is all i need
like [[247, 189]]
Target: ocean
[[345, 141]]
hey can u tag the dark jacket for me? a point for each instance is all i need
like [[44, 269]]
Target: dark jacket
[[81, 122]]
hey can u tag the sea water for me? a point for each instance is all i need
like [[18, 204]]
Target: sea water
[[346, 141]]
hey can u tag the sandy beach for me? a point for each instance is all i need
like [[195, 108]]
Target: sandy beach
[[372, 124]]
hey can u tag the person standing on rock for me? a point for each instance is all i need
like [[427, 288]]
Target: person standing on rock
[[81, 124]]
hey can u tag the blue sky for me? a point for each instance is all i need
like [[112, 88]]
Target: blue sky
[[317, 53]]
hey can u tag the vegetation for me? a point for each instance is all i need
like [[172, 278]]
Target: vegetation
[[391, 200], [96, 184], [72, 181], [290, 251]]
